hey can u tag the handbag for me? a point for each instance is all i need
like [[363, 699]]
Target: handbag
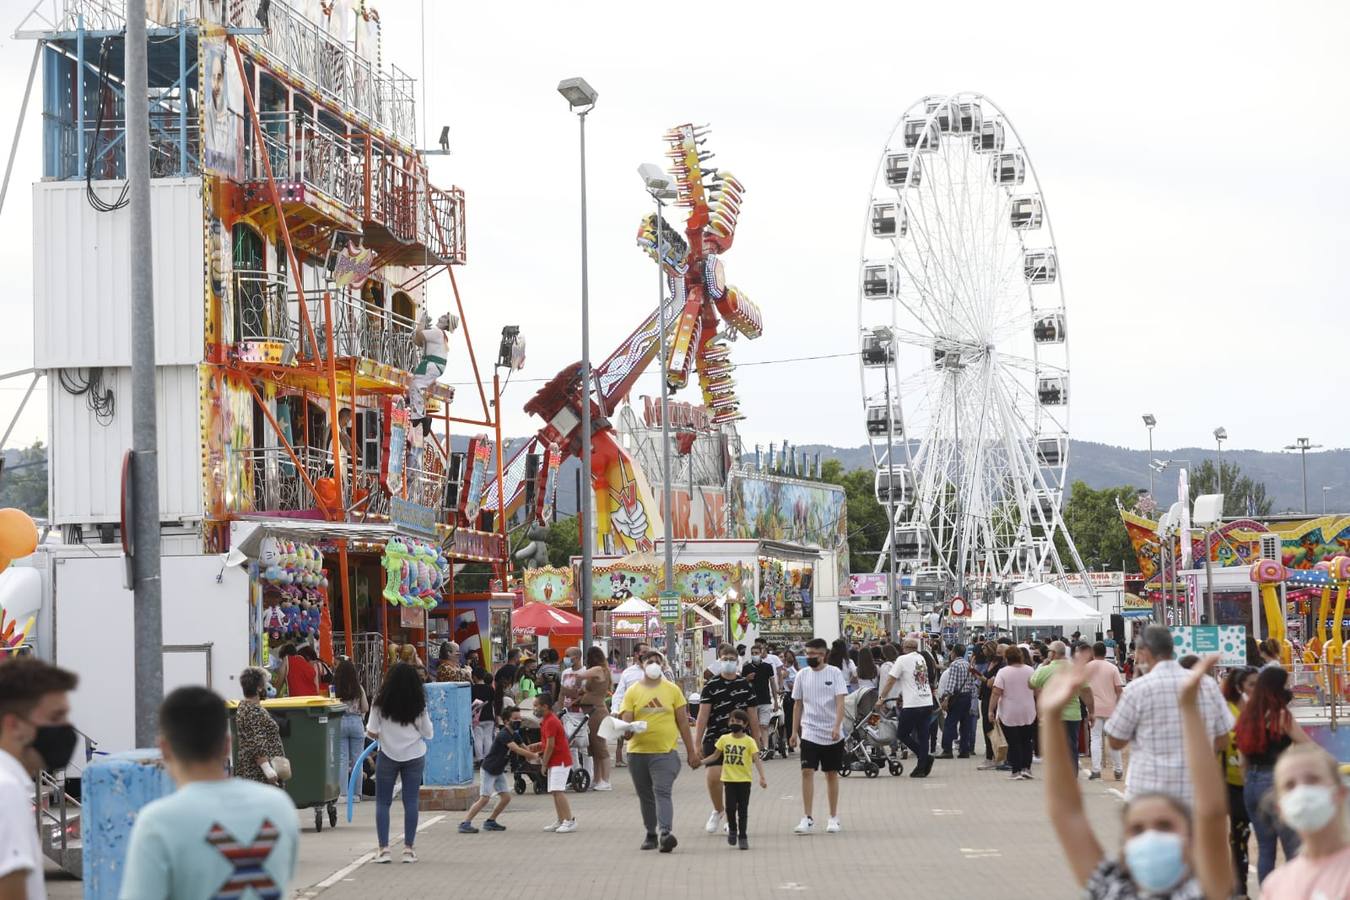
[[998, 741]]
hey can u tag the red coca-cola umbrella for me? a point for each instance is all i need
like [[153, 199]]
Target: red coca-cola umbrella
[[542, 620]]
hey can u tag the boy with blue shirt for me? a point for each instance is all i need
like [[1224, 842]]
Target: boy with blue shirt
[[216, 835]]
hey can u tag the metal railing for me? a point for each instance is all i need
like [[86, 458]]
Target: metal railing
[[369, 497], [173, 151], [277, 484], [367, 653], [261, 312], [57, 814], [361, 329], [301, 150], [426, 487]]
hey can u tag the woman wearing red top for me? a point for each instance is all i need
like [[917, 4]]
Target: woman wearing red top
[[302, 676], [1264, 730]]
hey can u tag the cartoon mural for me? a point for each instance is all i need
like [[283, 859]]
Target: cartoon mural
[[777, 509], [700, 581], [1304, 543], [549, 584]]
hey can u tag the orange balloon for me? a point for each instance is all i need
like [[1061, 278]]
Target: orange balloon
[[4, 563], [18, 533]]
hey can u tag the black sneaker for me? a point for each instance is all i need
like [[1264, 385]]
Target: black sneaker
[[731, 838], [945, 754], [742, 843], [648, 843], [963, 756], [668, 842]]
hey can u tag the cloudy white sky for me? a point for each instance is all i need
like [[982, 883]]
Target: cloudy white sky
[[1192, 157]]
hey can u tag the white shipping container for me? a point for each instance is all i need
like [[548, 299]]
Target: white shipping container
[[82, 275], [85, 459]]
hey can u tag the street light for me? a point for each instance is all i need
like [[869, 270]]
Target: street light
[[662, 187], [1220, 435], [581, 98], [1325, 488], [1303, 445], [1149, 422]]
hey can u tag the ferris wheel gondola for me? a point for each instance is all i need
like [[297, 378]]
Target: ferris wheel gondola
[[964, 347]]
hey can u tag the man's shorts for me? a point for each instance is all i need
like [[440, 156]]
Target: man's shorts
[[826, 757], [557, 778], [492, 785], [765, 711]]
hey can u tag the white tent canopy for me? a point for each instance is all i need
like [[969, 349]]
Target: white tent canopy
[[634, 606], [1050, 607]]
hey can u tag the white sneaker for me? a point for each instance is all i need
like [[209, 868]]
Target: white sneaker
[[833, 827], [806, 826], [566, 827], [382, 856], [714, 822], [602, 786], [554, 827]]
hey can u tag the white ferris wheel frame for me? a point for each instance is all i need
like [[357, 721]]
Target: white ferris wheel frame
[[955, 495]]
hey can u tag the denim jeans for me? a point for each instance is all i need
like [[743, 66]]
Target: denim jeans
[[1260, 783], [386, 770], [959, 719], [1071, 730], [353, 738], [912, 730]]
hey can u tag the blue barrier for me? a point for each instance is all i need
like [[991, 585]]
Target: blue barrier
[[114, 789], [450, 752], [354, 781]]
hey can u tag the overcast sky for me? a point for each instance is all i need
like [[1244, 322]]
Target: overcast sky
[[1193, 159]]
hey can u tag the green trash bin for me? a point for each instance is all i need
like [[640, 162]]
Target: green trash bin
[[311, 733]]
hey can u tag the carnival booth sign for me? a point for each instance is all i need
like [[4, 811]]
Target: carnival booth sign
[[554, 585], [415, 573]]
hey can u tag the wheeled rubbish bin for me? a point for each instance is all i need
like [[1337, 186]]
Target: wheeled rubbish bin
[[311, 732]]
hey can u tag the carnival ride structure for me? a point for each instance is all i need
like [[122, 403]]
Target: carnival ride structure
[[285, 161], [964, 351], [703, 315]]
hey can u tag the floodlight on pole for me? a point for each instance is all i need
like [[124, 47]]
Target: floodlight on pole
[[580, 98], [1149, 421], [1303, 445], [1220, 435]]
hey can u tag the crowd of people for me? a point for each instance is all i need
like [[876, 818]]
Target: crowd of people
[[1208, 764]]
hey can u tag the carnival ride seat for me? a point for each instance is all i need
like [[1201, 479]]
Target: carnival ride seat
[[889, 220], [1040, 266], [1049, 329], [1009, 169], [898, 166], [881, 281], [878, 347], [1053, 391], [1027, 213], [989, 138]]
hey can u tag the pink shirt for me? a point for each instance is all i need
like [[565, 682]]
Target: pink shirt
[[1308, 879], [1103, 677], [1017, 706]]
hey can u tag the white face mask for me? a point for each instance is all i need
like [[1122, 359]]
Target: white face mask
[[1308, 807], [652, 671], [727, 667]]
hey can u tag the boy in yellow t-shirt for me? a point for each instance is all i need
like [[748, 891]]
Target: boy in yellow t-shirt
[[736, 750]]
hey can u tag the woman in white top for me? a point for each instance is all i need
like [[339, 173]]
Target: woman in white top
[[868, 676], [399, 721]]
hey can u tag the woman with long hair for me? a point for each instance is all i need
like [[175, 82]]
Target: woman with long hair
[[868, 676], [839, 659], [1013, 705], [347, 688], [993, 661], [1169, 852], [1311, 798], [399, 721], [1265, 729], [1238, 685], [597, 681]]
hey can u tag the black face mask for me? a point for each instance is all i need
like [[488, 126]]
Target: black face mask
[[55, 744], [814, 661], [737, 727]]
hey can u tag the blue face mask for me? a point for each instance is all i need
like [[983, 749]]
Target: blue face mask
[[1155, 860]]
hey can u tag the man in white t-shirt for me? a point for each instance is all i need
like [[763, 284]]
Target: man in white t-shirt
[[35, 734], [910, 672], [818, 725], [629, 677]]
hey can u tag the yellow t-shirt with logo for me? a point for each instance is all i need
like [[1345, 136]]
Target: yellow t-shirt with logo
[[657, 706], [737, 755]]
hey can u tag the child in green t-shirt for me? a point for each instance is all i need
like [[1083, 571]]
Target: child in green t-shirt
[[735, 751]]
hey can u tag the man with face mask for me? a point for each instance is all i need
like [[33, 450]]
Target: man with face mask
[[652, 760], [35, 734], [818, 725], [722, 695]]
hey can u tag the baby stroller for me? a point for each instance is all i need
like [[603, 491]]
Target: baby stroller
[[774, 743], [523, 771], [577, 726], [868, 733]]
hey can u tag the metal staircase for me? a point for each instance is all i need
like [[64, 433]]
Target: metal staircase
[[58, 822]]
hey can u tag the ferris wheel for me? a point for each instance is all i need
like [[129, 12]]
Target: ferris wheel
[[964, 350]]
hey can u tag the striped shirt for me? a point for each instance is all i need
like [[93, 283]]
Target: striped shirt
[[816, 690], [958, 678]]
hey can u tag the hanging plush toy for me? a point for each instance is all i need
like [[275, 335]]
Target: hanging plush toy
[[394, 552]]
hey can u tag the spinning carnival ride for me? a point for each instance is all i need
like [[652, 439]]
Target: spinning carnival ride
[[965, 360], [702, 314]]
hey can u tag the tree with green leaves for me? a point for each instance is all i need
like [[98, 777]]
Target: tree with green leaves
[[866, 517], [23, 481], [564, 542], [1242, 495], [1094, 523]]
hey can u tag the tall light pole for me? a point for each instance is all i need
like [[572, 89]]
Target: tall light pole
[[581, 98], [1303, 445], [1325, 488], [148, 629], [1220, 435], [662, 187], [1149, 422]]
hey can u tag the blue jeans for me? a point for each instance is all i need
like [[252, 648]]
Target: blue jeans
[[1071, 730], [1260, 783], [353, 737], [386, 770], [912, 730], [958, 719]]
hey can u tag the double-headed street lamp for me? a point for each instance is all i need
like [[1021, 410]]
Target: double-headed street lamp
[[1303, 445], [580, 98], [662, 187]]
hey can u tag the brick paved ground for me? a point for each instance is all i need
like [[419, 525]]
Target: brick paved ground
[[958, 827]]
